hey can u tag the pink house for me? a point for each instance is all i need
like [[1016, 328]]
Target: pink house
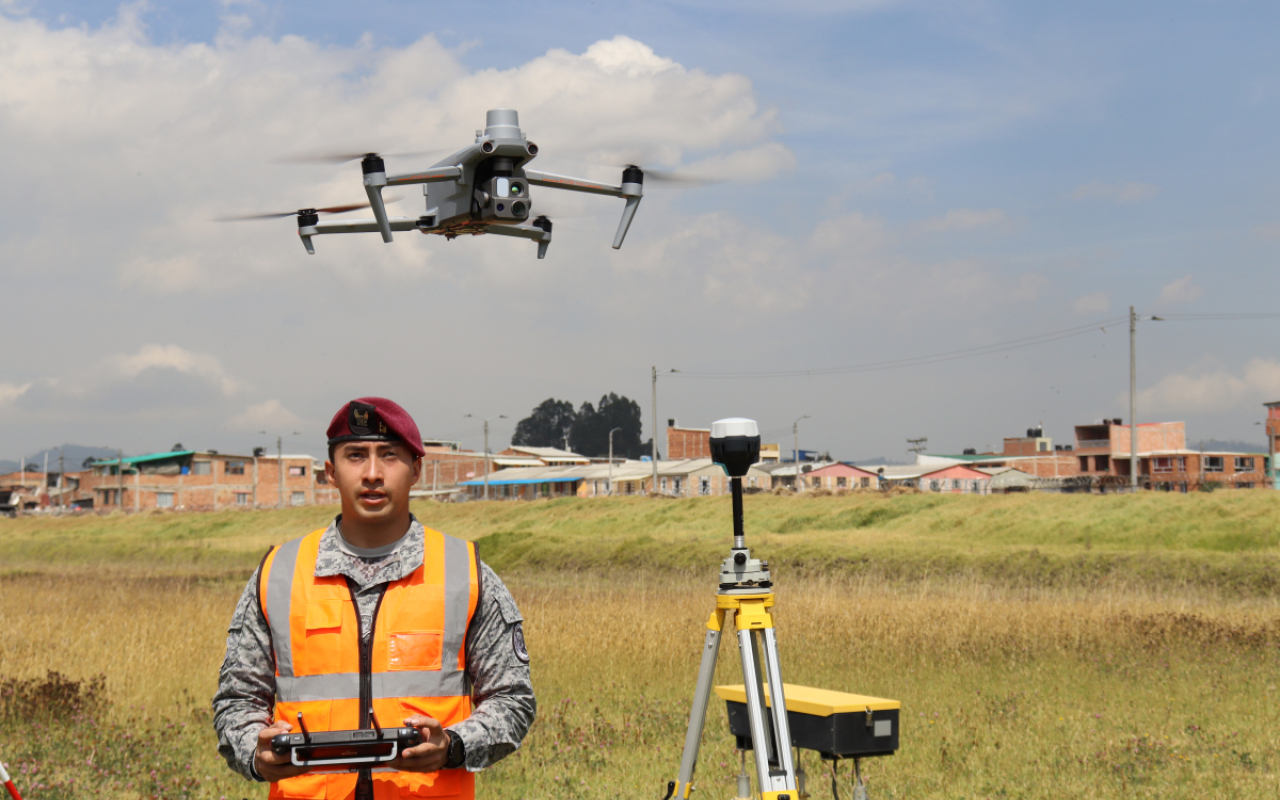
[[839, 476], [957, 479]]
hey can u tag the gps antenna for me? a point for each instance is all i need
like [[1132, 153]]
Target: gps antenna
[[305, 733], [374, 719]]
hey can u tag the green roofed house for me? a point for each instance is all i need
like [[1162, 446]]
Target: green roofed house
[[204, 480]]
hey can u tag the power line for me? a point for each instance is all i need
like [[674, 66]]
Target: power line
[[933, 358]]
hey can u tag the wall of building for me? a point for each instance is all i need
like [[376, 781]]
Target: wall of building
[[232, 482], [685, 443]]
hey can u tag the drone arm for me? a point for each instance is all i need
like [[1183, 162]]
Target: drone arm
[[553, 181], [354, 226], [539, 231], [436, 175]]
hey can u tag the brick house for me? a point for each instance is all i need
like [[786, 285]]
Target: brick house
[[193, 480], [686, 443]]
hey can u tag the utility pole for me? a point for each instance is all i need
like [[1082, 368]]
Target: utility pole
[[795, 441], [279, 470], [62, 477], [120, 479], [654, 442], [486, 454], [1133, 401], [610, 481]]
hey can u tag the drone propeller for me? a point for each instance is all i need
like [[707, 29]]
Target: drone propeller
[[675, 176], [329, 157], [279, 214]]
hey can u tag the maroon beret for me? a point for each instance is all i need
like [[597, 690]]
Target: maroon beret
[[375, 419]]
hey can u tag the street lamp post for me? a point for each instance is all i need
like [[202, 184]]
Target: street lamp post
[[486, 453], [795, 434], [279, 465], [1133, 397], [610, 481]]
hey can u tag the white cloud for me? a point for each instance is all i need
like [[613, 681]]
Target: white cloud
[[966, 219], [1212, 389], [10, 392], [1128, 192], [269, 415], [1181, 291], [1092, 304], [161, 357]]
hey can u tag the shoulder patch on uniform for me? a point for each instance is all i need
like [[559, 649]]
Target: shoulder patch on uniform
[[517, 644]]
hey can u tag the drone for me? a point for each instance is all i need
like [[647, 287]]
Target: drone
[[483, 188]]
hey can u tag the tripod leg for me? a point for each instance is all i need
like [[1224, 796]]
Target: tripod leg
[[781, 726], [698, 714], [764, 724]]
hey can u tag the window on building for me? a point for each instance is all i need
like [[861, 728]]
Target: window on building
[[1244, 485], [662, 485], [1182, 463], [1213, 463], [817, 482], [933, 486], [242, 498], [866, 483], [704, 485], [1162, 464], [675, 486], [298, 498], [1084, 463], [322, 478], [1244, 463], [1044, 447], [297, 472], [1102, 463], [234, 468], [754, 482], [164, 499], [201, 467], [841, 483]]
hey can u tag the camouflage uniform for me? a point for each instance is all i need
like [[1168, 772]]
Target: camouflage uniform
[[497, 662]]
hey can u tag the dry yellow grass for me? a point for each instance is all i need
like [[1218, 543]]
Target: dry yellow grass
[[1005, 693]]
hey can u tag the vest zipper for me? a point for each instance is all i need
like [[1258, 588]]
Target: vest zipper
[[364, 783]]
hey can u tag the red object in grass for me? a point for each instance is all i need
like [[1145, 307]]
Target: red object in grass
[[8, 784]]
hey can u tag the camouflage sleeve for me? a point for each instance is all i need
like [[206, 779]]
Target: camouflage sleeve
[[245, 699], [498, 665]]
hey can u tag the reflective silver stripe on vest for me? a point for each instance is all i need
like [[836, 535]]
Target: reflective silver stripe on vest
[[346, 685], [457, 594], [279, 596]]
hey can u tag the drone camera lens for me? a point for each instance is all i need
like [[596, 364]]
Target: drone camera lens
[[532, 148], [519, 209], [516, 190], [487, 147], [501, 207]]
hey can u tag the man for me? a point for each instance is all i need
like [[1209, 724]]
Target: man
[[375, 618]]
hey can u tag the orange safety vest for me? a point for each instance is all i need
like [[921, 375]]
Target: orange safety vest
[[417, 660]]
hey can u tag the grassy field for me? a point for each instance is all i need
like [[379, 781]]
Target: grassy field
[[1041, 646]]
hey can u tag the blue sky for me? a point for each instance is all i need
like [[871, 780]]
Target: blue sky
[[919, 177]]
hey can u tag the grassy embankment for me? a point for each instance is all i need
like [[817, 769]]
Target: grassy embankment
[[1041, 646]]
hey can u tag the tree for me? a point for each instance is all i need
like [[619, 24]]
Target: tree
[[590, 436], [547, 426]]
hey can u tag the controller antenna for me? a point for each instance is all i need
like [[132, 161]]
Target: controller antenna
[[374, 719], [306, 733]]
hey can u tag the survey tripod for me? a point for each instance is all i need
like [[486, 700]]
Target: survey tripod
[[743, 600]]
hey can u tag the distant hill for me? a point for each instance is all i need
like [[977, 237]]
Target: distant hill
[[73, 456], [1229, 445]]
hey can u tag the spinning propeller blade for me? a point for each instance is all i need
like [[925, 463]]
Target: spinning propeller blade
[[329, 157], [279, 214], [676, 176]]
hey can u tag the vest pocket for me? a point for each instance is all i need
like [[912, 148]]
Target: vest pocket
[[414, 650], [311, 786]]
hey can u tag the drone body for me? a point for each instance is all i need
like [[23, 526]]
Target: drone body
[[484, 188]]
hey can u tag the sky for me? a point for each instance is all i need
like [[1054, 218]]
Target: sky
[[903, 180]]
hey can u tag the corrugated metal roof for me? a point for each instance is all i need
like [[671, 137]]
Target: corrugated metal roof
[[523, 481], [148, 457]]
